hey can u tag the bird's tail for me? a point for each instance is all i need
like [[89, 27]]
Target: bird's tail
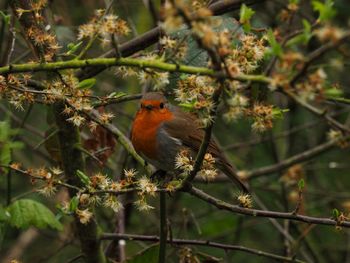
[[231, 173]]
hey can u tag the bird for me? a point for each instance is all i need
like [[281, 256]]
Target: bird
[[160, 130]]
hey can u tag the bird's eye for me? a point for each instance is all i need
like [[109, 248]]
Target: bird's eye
[[161, 105]]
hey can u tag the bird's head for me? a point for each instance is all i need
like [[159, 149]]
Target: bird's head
[[153, 102], [154, 109]]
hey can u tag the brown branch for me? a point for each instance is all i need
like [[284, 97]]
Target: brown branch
[[280, 135], [302, 157], [34, 177], [316, 111], [316, 54], [264, 213], [284, 41], [207, 243], [108, 101]]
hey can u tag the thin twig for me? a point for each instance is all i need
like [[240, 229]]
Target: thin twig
[[316, 54], [108, 101], [316, 111], [12, 40], [207, 243], [264, 213], [163, 228], [302, 157]]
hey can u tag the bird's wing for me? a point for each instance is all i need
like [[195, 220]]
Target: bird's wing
[[186, 127]]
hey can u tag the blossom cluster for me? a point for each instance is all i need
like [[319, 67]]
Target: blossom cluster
[[195, 92], [184, 163], [95, 190], [13, 88], [338, 137], [236, 106], [39, 33], [238, 53], [262, 116], [104, 26], [174, 49], [158, 79]]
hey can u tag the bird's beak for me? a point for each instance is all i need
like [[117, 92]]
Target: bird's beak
[[149, 107]]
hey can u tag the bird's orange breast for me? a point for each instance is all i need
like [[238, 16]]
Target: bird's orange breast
[[145, 128]]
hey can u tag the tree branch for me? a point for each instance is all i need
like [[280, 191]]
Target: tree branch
[[264, 213], [207, 243], [302, 157], [132, 62]]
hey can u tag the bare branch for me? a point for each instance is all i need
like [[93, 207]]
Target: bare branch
[[208, 243], [264, 213], [302, 157]]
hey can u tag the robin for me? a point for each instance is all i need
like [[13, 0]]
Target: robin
[[161, 130]]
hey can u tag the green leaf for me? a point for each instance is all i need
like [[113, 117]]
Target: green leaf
[[117, 95], [278, 113], [5, 17], [335, 213], [187, 106], [83, 177], [73, 204], [301, 184], [149, 255], [72, 48], [302, 38], [276, 48], [87, 83], [325, 9], [333, 93], [26, 212], [4, 215], [6, 145], [246, 14]]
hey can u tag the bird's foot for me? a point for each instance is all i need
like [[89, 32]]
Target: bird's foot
[[158, 176]]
